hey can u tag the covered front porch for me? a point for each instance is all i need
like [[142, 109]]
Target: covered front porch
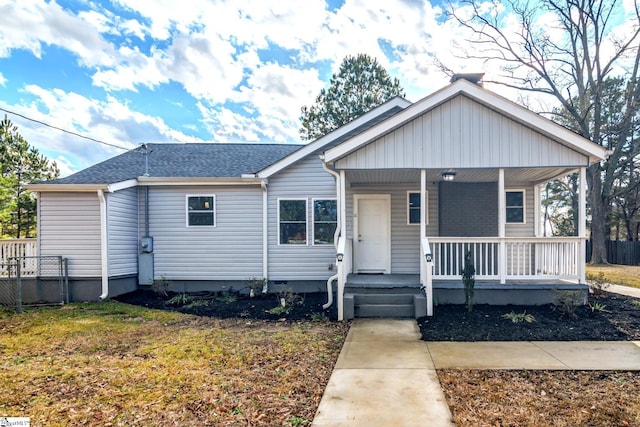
[[458, 171], [391, 249]]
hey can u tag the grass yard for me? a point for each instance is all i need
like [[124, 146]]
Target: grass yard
[[626, 275], [110, 364]]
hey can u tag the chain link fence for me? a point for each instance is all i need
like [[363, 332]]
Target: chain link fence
[[34, 281]]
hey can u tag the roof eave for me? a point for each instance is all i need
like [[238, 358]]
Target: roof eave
[[172, 181], [332, 136]]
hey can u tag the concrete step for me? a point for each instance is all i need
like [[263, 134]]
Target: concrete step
[[385, 310], [389, 299]]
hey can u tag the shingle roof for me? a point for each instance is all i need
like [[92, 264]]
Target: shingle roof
[[183, 161]]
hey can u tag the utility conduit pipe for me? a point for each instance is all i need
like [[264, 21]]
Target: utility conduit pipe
[[336, 234]]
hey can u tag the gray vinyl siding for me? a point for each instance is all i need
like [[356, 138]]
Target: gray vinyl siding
[[70, 227], [232, 250], [122, 217], [308, 180], [405, 238], [462, 133]]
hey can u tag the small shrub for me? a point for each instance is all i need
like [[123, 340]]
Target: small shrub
[[468, 273], [198, 303], [319, 317], [286, 299], [635, 303], [596, 306], [597, 283], [566, 302], [180, 300], [519, 317], [257, 285], [161, 287], [226, 297]]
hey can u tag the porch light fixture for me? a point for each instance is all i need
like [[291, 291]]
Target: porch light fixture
[[448, 175]]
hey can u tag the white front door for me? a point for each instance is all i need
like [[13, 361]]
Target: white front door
[[372, 233]]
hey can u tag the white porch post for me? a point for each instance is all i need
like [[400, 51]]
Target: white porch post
[[423, 233], [582, 223], [342, 273], [502, 212], [423, 213]]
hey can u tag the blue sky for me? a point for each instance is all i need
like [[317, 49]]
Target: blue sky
[[134, 71]]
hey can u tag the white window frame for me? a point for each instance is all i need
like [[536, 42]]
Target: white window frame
[[213, 212], [313, 219], [306, 220], [524, 205], [426, 212]]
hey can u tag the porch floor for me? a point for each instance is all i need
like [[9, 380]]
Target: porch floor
[[413, 280], [363, 290]]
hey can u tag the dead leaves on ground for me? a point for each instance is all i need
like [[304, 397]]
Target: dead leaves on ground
[[542, 398], [114, 367]]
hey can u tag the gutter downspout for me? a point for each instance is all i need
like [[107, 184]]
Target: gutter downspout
[[336, 235], [103, 245], [265, 236]]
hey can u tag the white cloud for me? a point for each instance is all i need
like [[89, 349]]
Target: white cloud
[[31, 24], [3, 80], [111, 121]]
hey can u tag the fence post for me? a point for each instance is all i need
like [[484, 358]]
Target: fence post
[[19, 290]]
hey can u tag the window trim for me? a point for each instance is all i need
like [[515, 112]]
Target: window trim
[[524, 205], [213, 212], [313, 219], [426, 199], [306, 220]]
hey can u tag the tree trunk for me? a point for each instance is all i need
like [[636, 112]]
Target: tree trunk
[[599, 216]]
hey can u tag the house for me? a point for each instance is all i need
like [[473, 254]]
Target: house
[[379, 213]]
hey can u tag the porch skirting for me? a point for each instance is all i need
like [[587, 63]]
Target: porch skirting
[[514, 293]]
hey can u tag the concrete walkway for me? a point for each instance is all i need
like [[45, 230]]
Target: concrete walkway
[[384, 376], [624, 290]]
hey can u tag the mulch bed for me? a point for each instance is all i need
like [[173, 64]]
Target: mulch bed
[[226, 306], [619, 321]]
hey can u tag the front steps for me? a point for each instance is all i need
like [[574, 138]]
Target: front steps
[[388, 296]]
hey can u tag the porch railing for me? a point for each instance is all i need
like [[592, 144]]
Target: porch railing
[[521, 258], [11, 249]]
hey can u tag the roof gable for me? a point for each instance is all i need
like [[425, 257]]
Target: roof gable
[[356, 126], [538, 124]]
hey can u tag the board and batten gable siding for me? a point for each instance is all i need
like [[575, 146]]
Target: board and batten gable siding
[[306, 179], [70, 227], [122, 214], [405, 238], [232, 250], [462, 133]]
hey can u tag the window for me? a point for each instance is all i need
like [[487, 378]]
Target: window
[[515, 206], [201, 211], [325, 221], [292, 221], [413, 207]]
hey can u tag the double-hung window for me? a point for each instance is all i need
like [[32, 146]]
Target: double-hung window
[[292, 221], [325, 221], [515, 206], [201, 210], [413, 207]]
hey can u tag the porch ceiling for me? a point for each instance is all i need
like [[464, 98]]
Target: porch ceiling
[[412, 176]]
